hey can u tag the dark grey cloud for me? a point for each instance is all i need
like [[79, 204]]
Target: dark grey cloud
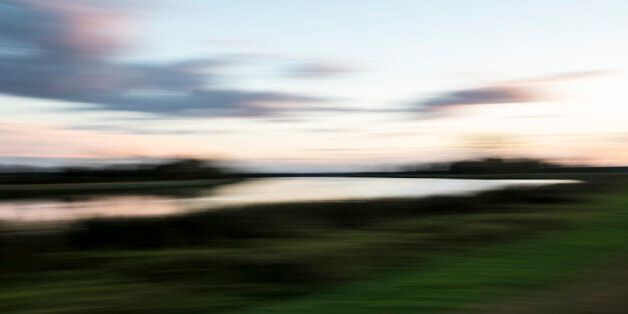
[[508, 92], [484, 95], [65, 50]]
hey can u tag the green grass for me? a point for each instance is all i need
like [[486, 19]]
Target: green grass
[[461, 281], [388, 256]]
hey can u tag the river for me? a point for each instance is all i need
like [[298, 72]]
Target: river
[[257, 191]]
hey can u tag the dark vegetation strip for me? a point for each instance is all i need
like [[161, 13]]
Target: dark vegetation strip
[[296, 219], [63, 190]]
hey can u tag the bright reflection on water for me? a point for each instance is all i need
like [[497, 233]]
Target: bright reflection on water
[[257, 191]]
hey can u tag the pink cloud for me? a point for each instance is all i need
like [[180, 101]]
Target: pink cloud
[[39, 140]]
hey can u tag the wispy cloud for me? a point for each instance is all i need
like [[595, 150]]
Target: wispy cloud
[[506, 92], [316, 70], [483, 95]]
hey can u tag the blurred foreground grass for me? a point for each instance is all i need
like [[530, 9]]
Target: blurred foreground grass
[[381, 256]]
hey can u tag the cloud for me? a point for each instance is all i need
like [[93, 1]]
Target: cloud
[[65, 50], [484, 95], [508, 92], [62, 28], [314, 70], [567, 76]]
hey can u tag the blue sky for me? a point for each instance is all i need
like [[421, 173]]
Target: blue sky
[[314, 84]]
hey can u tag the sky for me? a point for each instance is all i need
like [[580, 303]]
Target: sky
[[296, 85]]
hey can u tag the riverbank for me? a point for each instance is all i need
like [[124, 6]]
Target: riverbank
[[16, 191], [61, 190], [404, 255]]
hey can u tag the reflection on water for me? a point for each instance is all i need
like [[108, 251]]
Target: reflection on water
[[249, 192]]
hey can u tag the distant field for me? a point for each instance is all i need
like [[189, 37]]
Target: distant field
[[501, 251]]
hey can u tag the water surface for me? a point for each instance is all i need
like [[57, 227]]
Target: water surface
[[258, 191]]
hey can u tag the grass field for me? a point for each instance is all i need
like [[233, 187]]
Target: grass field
[[516, 250]]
